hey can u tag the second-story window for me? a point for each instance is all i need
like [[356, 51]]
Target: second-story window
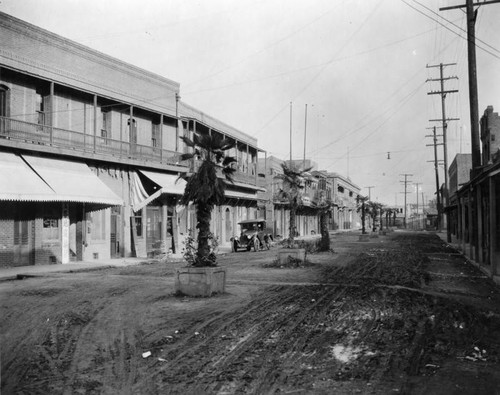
[[132, 124], [106, 125], [40, 110], [155, 135], [340, 189]]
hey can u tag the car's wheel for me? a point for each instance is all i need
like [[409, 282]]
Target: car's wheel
[[256, 244]]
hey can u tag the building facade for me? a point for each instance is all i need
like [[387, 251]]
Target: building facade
[[319, 186], [477, 202], [90, 153]]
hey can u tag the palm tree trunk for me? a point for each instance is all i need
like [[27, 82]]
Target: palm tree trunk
[[325, 236], [293, 213], [203, 214]]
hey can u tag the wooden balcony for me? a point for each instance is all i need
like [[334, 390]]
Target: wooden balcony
[[57, 138], [38, 137]]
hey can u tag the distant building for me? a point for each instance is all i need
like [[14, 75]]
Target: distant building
[[490, 136], [459, 172]]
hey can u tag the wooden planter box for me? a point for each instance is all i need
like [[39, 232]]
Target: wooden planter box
[[295, 253], [200, 281], [364, 237]]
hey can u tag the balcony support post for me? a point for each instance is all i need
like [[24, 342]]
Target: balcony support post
[[161, 137], [248, 168], [51, 119], [177, 120], [95, 123]]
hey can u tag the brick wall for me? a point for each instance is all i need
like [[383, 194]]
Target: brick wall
[[6, 242], [55, 58]]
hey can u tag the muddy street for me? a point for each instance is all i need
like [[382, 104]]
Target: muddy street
[[402, 313]]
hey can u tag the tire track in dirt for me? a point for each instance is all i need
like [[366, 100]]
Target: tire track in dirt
[[47, 370], [234, 326], [106, 359]]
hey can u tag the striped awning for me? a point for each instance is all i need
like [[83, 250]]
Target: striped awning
[[67, 181], [169, 183], [165, 184]]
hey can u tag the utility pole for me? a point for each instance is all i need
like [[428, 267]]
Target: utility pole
[[418, 218], [444, 122], [370, 192], [436, 169], [290, 133], [473, 96], [305, 131], [406, 181]]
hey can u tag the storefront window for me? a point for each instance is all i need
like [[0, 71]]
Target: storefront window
[[96, 225], [50, 228]]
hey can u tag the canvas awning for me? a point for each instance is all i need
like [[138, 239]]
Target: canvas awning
[[169, 183], [72, 181], [166, 183], [247, 186], [240, 195], [18, 182]]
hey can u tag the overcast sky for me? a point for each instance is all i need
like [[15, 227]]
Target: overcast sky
[[359, 65]]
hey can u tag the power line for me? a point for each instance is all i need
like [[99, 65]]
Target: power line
[[450, 22], [446, 27]]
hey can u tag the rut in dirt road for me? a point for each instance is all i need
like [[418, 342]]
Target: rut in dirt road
[[317, 338], [406, 314]]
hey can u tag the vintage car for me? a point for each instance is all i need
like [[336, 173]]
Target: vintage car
[[253, 235]]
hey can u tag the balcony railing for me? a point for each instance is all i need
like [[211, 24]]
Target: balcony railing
[[34, 133], [37, 134], [238, 176]]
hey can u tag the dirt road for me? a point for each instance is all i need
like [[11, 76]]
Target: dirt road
[[400, 314]]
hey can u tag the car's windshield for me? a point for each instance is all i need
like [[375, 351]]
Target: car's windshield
[[252, 226]]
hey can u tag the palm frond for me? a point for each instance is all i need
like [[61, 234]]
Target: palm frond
[[228, 160], [188, 156], [187, 141]]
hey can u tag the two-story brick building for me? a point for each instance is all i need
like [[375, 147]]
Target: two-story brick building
[[89, 152]]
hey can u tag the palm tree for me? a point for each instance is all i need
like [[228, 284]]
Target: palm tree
[[324, 206], [373, 209], [293, 179], [204, 188], [361, 202]]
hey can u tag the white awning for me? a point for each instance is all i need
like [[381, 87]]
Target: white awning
[[19, 183], [240, 195], [247, 186], [169, 183], [72, 181]]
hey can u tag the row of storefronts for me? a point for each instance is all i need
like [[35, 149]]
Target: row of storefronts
[[90, 155]]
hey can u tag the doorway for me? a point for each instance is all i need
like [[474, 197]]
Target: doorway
[[229, 226], [153, 229], [115, 232], [22, 242]]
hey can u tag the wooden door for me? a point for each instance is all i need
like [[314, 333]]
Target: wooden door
[[115, 232], [22, 242], [153, 229]]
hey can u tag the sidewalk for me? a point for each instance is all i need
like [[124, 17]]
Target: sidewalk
[[458, 246], [12, 273]]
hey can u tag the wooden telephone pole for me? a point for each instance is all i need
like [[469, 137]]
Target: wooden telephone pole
[[444, 122], [406, 181], [473, 96], [436, 169]]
